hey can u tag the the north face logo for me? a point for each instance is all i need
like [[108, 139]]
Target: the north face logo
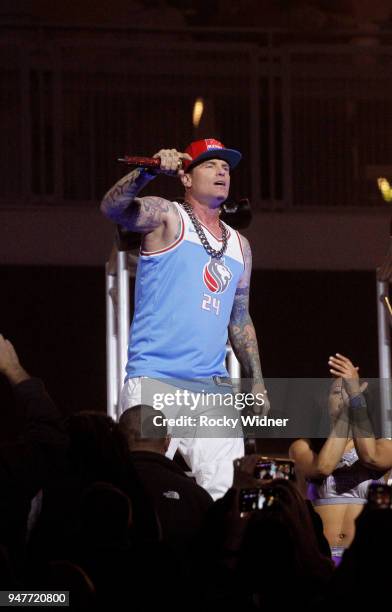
[[171, 494]]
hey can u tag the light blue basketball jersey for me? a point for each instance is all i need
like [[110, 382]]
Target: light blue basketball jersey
[[183, 302]]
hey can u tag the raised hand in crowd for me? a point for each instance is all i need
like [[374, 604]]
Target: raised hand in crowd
[[9, 363], [342, 367]]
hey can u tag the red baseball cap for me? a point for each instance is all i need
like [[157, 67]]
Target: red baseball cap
[[209, 148]]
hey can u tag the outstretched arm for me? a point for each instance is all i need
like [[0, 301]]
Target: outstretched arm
[[241, 329], [373, 453], [143, 215]]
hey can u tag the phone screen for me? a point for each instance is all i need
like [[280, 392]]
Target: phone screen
[[250, 500], [269, 469], [256, 499]]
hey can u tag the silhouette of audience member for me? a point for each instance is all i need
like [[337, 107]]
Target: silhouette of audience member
[[280, 549], [33, 459], [255, 551], [97, 452], [67, 576], [362, 578], [181, 504], [104, 548], [116, 563], [114, 507]]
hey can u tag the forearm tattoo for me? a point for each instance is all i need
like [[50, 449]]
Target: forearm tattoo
[[122, 206], [241, 328], [243, 337], [122, 194], [149, 213]]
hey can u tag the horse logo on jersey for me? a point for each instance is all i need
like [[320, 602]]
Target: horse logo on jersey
[[217, 275]]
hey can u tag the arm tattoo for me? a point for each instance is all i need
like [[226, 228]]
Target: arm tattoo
[[122, 194], [243, 337], [137, 214], [148, 214], [241, 329]]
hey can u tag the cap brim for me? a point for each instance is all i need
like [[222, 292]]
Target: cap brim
[[232, 157]]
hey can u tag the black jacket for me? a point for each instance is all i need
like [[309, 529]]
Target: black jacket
[[27, 463], [180, 503]]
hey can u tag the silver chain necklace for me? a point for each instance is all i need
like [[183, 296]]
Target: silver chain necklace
[[203, 238]]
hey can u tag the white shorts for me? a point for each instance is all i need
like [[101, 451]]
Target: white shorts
[[209, 458]]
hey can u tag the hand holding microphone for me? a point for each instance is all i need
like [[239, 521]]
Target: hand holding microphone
[[166, 161]]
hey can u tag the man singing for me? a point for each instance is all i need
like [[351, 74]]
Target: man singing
[[192, 289]]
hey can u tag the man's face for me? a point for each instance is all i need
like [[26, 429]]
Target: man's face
[[209, 181]]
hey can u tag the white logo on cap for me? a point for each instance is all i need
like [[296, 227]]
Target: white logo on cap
[[211, 143]]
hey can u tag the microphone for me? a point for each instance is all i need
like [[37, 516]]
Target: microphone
[[140, 162]]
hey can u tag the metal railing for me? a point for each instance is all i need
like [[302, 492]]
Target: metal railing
[[313, 121], [384, 325]]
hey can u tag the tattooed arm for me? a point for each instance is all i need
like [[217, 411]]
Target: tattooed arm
[[374, 453], [143, 215], [241, 329], [120, 203]]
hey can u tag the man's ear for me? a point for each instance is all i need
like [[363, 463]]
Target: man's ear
[[186, 180]]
